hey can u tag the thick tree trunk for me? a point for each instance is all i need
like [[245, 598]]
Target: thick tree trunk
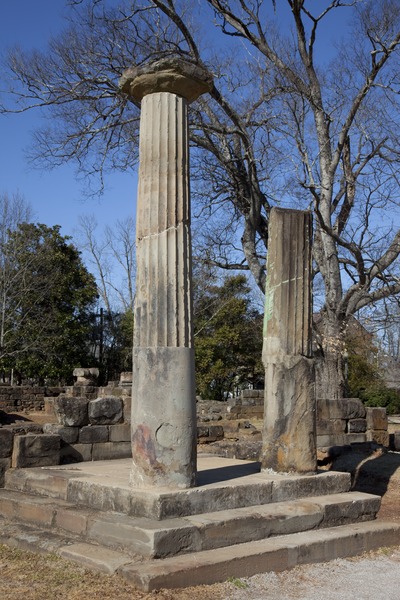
[[330, 358]]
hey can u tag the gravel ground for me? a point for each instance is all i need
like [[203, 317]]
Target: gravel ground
[[371, 577], [374, 576]]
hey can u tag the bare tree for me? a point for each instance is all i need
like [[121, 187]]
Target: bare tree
[[283, 124], [110, 253], [111, 257], [94, 125], [348, 158]]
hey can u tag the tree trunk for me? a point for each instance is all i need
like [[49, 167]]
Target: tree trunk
[[330, 379]]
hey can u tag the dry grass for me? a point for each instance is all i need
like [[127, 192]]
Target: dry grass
[[28, 576]]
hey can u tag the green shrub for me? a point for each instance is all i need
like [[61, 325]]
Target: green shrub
[[382, 396]]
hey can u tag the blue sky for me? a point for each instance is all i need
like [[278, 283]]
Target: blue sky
[[56, 196]]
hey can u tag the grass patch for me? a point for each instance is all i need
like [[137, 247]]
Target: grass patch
[[239, 583]]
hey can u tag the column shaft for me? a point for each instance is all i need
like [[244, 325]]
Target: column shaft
[[163, 398], [289, 408]]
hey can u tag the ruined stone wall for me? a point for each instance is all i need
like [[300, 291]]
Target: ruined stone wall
[[86, 423], [347, 421], [339, 422], [26, 398], [93, 423], [85, 430], [90, 429], [250, 405]]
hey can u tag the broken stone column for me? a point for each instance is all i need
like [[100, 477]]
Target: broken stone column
[[86, 377], [289, 436], [163, 394]]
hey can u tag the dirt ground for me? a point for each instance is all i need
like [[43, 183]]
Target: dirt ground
[[34, 577]]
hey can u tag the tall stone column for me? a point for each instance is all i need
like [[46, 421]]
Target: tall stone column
[[289, 436], [163, 394]]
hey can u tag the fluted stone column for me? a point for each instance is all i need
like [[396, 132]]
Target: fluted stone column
[[163, 394], [289, 436]]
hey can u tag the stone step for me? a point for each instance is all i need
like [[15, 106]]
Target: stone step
[[100, 486], [273, 554], [36, 539], [151, 538], [210, 566]]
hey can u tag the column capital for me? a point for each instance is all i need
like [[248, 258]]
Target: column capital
[[173, 75]]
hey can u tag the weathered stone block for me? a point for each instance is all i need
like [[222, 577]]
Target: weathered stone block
[[249, 397], [289, 428], [202, 431], [302, 487], [210, 433], [331, 426], [54, 391], [105, 411], [71, 411], [379, 436], [73, 453], [6, 442], [357, 426], [253, 411], [86, 377], [73, 521], [23, 427], [111, 450], [127, 409], [354, 438], [49, 406], [35, 451], [68, 435], [248, 401], [377, 418], [247, 394], [81, 390], [396, 441], [120, 433], [326, 441], [342, 408], [125, 378], [93, 434], [114, 391], [5, 464]]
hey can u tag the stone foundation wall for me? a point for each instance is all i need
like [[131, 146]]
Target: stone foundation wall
[[250, 405], [347, 421], [85, 430], [93, 423], [8, 434], [26, 398], [90, 429], [339, 422]]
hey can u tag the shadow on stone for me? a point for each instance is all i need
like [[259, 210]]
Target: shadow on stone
[[371, 467], [9, 418], [227, 473]]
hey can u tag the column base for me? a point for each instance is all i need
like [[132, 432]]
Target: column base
[[163, 425], [289, 436]]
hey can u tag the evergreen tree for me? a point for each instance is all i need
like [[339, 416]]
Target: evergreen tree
[[228, 339], [46, 310]]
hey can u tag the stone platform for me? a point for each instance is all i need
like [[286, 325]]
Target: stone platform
[[236, 522]]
